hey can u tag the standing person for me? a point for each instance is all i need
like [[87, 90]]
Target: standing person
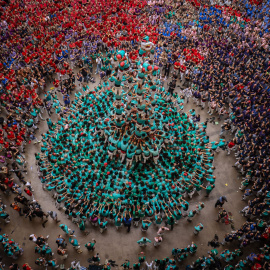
[[188, 93], [81, 226], [26, 266], [102, 225], [52, 264], [191, 215], [193, 248], [66, 229], [127, 222], [85, 74], [67, 100], [33, 237], [222, 214], [126, 264], [98, 61], [62, 252], [33, 138], [143, 242], [79, 78], [102, 75], [17, 208], [39, 213], [172, 86], [162, 230], [90, 245], [198, 228], [167, 69], [40, 261], [214, 242], [53, 215], [170, 221], [96, 258], [149, 265], [208, 190], [60, 241], [230, 147], [199, 207], [145, 225], [157, 241], [220, 201], [75, 265], [74, 242], [141, 257]]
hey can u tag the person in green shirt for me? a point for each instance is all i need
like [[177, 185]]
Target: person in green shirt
[[52, 263], [209, 189], [158, 218], [143, 242], [90, 245], [198, 228], [241, 265], [136, 266], [145, 225], [102, 225], [141, 257], [191, 214], [74, 242], [66, 229], [228, 267], [170, 221], [193, 248]]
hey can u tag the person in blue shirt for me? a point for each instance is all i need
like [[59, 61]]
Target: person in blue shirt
[[127, 222]]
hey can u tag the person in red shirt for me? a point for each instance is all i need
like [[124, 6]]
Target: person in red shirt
[[231, 147], [28, 192], [177, 66], [11, 136], [26, 267]]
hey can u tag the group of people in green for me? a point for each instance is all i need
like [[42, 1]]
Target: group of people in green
[[180, 254], [11, 248], [126, 151], [165, 263], [212, 260]]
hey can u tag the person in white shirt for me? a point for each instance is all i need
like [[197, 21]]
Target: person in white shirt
[[76, 265], [157, 241], [149, 265], [98, 61], [33, 238], [162, 230], [188, 94]]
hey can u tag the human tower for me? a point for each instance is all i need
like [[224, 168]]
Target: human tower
[[126, 148]]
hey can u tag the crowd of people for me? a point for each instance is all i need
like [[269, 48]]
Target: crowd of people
[[218, 51], [213, 261], [94, 131], [11, 248]]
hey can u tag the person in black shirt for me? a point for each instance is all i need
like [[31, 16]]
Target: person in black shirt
[[85, 74], [167, 69], [172, 86]]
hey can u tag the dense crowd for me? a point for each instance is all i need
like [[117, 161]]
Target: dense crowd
[[217, 51], [89, 192]]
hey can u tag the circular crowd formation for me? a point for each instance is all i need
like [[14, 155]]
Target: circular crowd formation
[[104, 155], [125, 151]]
